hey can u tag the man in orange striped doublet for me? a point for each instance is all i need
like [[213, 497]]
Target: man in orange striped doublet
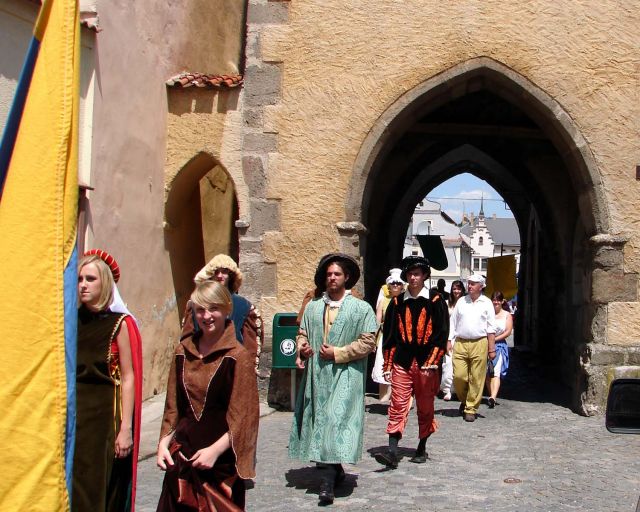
[[416, 328]]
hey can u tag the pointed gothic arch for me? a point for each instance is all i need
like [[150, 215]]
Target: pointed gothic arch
[[201, 211], [484, 118]]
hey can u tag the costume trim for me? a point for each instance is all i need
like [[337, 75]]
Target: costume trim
[[184, 384], [135, 342]]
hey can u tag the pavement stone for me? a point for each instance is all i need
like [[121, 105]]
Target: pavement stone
[[557, 459]]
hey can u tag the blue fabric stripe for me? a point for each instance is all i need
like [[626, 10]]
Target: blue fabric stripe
[[15, 114], [71, 351]]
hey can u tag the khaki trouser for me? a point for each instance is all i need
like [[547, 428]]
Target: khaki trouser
[[469, 370]]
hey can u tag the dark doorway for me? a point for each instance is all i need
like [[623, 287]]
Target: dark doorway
[[200, 214]]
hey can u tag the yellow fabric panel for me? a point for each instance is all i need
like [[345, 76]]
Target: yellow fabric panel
[[38, 213], [501, 276]]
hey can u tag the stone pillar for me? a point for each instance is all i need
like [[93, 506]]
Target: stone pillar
[[262, 92], [263, 89], [602, 358], [351, 236]]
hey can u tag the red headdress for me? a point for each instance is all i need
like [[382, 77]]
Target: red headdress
[[108, 259]]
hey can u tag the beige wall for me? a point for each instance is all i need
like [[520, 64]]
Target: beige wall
[[141, 45], [344, 65], [16, 30]]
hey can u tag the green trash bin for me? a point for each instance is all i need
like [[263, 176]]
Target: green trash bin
[[283, 344]]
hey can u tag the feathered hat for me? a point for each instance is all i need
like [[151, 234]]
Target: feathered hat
[[395, 276], [220, 261]]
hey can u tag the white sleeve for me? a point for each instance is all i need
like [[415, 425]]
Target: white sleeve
[[380, 298], [453, 320], [491, 320]]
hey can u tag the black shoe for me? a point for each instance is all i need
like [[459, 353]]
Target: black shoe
[[388, 459], [469, 417], [326, 494], [340, 476], [491, 403], [419, 458]]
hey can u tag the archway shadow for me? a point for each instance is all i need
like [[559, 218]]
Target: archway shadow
[[308, 478], [527, 380], [530, 379]]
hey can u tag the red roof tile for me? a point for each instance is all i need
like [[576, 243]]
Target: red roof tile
[[187, 79]]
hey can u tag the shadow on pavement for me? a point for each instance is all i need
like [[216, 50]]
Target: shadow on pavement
[[452, 411], [309, 478], [403, 453], [381, 409]]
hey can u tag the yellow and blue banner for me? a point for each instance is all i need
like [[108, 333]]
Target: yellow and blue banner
[[38, 268]]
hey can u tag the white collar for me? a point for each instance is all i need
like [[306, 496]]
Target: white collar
[[117, 304], [335, 303], [422, 293]]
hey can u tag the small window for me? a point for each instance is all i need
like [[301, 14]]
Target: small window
[[424, 228], [476, 263], [481, 240]]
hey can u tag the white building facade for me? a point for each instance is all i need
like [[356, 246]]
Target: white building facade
[[429, 219], [490, 237]]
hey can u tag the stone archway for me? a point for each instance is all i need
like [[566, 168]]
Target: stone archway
[[201, 211], [484, 118]]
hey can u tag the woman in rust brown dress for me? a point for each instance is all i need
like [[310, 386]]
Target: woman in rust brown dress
[[210, 424]]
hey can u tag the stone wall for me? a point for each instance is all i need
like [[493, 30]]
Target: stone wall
[[321, 74]]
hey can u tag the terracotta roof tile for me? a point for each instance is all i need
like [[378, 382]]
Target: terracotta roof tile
[[187, 79]]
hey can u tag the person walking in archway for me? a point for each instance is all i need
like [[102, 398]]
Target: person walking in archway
[[416, 327], [473, 324], [394, 286], [504, 326], [440, 286], [336, 335], [457, 291]]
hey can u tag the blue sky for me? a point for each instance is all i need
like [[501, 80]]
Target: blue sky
[[463, 193]]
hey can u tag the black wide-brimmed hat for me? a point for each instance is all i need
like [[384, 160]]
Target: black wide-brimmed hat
[[411, 262], [352, 269]]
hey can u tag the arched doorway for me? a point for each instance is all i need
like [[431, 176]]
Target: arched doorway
[[200, 214], [482, 117]]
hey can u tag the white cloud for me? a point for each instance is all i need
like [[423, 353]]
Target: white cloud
[[474, 194]]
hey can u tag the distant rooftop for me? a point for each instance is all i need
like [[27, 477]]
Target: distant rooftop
[[502, 230]]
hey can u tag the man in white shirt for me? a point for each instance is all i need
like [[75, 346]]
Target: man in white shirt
[[473, 325]]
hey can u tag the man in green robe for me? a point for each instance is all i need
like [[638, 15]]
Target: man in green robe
[[337, 333]]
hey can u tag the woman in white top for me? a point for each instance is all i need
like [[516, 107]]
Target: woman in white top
[[504, 326], [394, 286], [457, 291]]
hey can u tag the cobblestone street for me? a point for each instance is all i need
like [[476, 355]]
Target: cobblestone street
[[556, 459]]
